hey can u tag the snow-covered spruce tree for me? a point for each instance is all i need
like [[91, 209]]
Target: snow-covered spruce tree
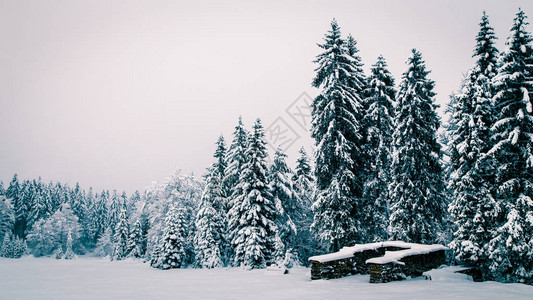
[[13, 247], [7, 216], [303, 176], [121, 238], [138, 245], [59, 252], [97, 216], [88, 226], [235, 159], [7, 247], [222, 206], [306, 244], [378, 120], [445, 136], [124, 203], [209, 236], [221, 164], [78, 204], [357, 82], [172, 244], [287, 202], [37, 208], [113, 211], [14, 192], [417, 202], [209, 239], [252, 213], [69, 254], [336, 128], [218, 170], [22, 209], [21, 247], [472, 208], [512, 247], [137, 241], [155, 258]]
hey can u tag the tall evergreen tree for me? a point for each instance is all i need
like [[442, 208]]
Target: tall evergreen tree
[[209, 240], [336, 128], [235, 159], [7, 246], [209, 237], [172, 244], [114, 209], [418, 206], [356, 79], [101, 214], [303, 175], [15, 193], [69, 253], [378, 120], [252, 213], [137, 241], [134, 200], [306, 244], [445, 137], [512, 247], [38, 205], [121, 238], [287, 204], [7, 216], [88, 226], [472, 207], [218, 170], [77, 203], [124, 203], [221, 162]]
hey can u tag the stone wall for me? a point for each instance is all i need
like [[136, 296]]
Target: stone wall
[[385, 273], [414, 266], [347, 266]]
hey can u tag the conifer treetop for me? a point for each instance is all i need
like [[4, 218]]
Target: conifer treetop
[[485, 50], [335, 64]]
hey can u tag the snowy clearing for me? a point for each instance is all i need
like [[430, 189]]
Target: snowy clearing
[[92, 278]]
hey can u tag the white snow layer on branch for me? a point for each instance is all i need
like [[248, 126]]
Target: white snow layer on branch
[[526, 100]]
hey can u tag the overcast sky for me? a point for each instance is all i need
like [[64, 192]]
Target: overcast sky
[[116, 94]]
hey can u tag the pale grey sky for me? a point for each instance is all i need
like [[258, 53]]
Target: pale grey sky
[[115, 94]]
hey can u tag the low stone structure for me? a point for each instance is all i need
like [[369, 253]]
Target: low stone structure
[[474, 272], [385, 261], [409, 264]]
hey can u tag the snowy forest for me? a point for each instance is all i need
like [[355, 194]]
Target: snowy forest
[[383, 167]]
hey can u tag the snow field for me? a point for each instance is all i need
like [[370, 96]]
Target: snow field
[[94, 278]]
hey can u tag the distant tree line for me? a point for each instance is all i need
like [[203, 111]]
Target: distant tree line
[[45, 215]]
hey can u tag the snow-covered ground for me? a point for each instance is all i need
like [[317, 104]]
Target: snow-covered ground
[[92, 278]]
